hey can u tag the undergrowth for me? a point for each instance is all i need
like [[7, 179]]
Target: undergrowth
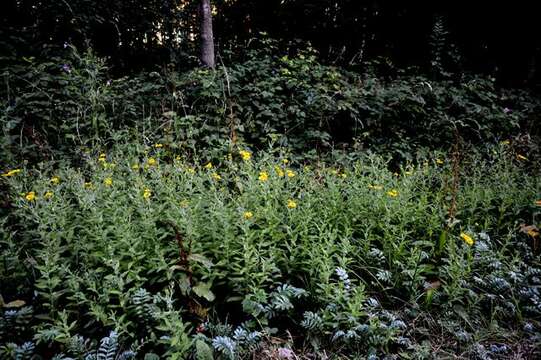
[[142, 252]]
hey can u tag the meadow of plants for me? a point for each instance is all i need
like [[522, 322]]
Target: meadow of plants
[[272, 208], [139, 252]]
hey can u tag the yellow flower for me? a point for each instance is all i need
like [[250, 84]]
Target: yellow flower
[[439, 161], [246, 155], [375, 187], [216, 176], [55, 180], [290, 173], [285, 161], [158, 146], [291, 204], [102, 157], [48, 195], [11, 173], [392, 193], [151, 162], [30, 196], [505, 142], [248, 215], [208, 166], [279, 171], [88, 185], [108, 182], [263, 176], [343, 176], [147, 194], [467, 238], [135, 167], [190, 170], [522, 157]]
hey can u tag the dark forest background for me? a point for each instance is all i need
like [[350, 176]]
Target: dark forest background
[[391, 76], [496, 38]]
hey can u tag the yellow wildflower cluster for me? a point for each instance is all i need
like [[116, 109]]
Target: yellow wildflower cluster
[[467, 238], [291, 204], [55, 180], [208, 166], [147, 193], [392, 193], [102, 158], [263, 176], [108, 182], [152, 162], [216, 176], [245, 155], [248, 215], [30, 196]]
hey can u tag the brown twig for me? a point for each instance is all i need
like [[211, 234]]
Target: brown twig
[[183, 253], [455, 156]]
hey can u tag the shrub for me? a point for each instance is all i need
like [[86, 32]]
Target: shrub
[[62, 103]]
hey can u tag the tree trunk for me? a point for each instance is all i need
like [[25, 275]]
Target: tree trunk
[[207, 38]]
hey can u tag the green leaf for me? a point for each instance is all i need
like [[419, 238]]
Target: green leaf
[[203, 351], [442, 241], [151, 356], [203, 290], [15, 304], [201, 259]]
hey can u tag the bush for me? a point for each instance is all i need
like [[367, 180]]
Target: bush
[[59, 104]]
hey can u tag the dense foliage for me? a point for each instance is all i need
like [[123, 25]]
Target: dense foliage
[[146, 244], [345, 180], [65, 100]]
